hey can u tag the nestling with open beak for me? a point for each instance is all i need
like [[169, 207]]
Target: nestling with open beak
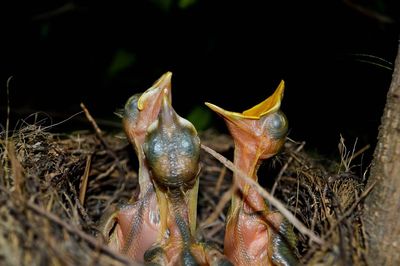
[[134, 227], [172, 150], [254, 234]]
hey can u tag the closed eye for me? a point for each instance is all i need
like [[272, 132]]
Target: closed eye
[[276, 124], [131, 110]]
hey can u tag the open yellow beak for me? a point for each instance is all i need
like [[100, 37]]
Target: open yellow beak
[[271, 104], [157, 91]]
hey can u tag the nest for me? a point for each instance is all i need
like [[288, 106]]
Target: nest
[[54, 188]]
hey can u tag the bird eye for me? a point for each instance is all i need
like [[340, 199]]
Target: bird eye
[[131, 107], [276, 124]]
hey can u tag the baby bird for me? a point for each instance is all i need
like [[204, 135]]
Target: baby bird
[[172, 150], [254, 234], [134, 227]]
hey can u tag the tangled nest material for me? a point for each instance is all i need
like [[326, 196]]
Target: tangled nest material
[[54, 188]]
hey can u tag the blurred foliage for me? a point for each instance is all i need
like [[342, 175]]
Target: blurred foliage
[[186, 3], [45, 30], [166, 5], [122, 60], [200, 117]]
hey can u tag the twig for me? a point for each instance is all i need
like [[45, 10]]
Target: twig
[[219, 181], [84, 180], [272, 200], [382, 18], [91, 120], [360, 151], [99, 134], [220, 206], [67, 7], [88, 238], [16, 169], [106, 173], [350, 210], [283, 169], [325, 236], [56, 124], [5, 154]]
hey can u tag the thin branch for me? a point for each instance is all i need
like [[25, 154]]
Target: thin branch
[[283, 169], [350, 210], [91, 120], [382, 18], [67, 7], [272, 200], [88, 238], [226, 197], [99, 135], [16, 169], [84, 180], [220, 180], [5, 154], [360, 151]]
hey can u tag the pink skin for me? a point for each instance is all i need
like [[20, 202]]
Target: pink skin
[[134, 244], [175, 169], [137, 225], [258, 134], [248, 236], [166, 131]]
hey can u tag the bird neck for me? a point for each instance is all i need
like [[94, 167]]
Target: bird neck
[[247, 159]]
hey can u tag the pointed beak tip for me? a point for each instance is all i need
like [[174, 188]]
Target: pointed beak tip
[[281, 88], [282, 83], [167, 77], [162, 87], [164, 82], [227, 115], [208, 104], [214, 107], [168, 74]]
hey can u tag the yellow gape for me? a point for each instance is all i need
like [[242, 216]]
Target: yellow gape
[[254, 234]]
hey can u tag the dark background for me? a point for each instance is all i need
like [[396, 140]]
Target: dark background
[[335, 57]]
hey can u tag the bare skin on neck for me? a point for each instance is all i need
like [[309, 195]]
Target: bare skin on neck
[[172, 149], [252, 229], [134, 227]]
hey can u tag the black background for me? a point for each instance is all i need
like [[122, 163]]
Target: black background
[[231, 53]]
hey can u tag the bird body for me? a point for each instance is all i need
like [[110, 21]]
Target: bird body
[[252, 229]]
